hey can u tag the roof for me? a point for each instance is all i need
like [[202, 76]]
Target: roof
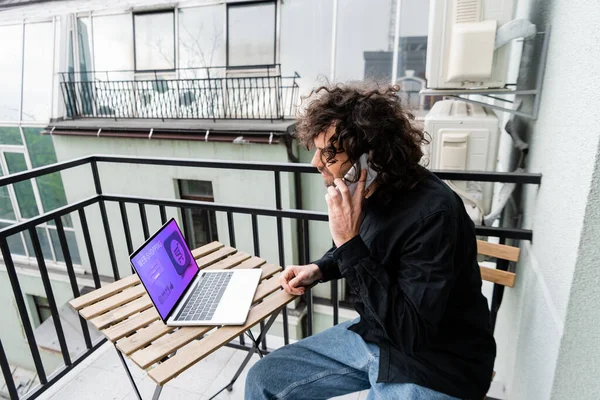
[[16, 3], [234, 126], [236, 131]]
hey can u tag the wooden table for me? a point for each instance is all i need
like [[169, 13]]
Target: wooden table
[[124, 313]]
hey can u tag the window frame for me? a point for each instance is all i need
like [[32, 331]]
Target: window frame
[[245, 4], [210, 214], [159, 11]]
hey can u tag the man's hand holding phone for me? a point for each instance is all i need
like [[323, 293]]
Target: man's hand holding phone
[[345, 209], [296, 278]]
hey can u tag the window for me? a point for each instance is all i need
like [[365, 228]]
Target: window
[[251, 34], [112, 51], [29, 198], [202, 223], [37, 71], [154, 40], [10, 72], [42, 309]]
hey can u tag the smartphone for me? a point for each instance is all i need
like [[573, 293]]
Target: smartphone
[[351, 178]]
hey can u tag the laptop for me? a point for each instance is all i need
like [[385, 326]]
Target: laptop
[[185, 295]]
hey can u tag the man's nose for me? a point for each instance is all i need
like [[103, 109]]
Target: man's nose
[[316, 160]]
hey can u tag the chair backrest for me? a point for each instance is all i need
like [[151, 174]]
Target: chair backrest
[[501, 252]]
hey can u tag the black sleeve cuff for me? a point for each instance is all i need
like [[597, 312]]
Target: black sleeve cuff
[[328, 268], [348, 254]]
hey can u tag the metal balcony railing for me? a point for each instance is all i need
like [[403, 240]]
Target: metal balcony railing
[[191, 93], [100, 199]]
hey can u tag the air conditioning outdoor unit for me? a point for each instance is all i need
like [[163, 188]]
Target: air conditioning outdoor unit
[[463, 137], [465, 46]]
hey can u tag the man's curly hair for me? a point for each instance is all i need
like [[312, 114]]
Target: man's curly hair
[[366, 120]]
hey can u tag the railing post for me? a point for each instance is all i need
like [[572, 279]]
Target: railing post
[[16, 287], [286, 334], [335, 298], [308, 294], [7, 373], [212, 101], [107, 233], [89, 247], [144, 219], [72, 278], [37, 248]]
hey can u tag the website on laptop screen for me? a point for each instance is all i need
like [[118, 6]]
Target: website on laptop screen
[[166, 267]]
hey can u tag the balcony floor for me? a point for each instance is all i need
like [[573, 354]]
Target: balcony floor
[[101, 376]]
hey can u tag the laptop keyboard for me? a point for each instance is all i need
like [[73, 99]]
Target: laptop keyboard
[[203, 301]]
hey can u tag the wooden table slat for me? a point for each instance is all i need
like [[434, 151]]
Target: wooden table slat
[[104, 292], [196, 351], [122, 312], [167, 344], [206, 249], [130, 325], [212, 258], [226, 264], [230, 261], [269, 270], [143, 337], [253, 262], [110, 303], [267, 287]]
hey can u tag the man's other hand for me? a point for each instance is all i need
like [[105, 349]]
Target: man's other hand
[[295, 278]]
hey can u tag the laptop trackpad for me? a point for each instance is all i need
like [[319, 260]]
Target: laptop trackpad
[[237, 298]]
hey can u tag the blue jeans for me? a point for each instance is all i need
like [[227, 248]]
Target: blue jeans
[[332, 363]]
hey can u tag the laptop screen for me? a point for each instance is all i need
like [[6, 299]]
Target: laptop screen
[[165, 266]]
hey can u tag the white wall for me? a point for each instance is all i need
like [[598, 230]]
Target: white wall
[[578, 366], [563, 147]]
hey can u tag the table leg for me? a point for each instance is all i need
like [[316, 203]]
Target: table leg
[[255, 348], [157, 390], [135, 389]]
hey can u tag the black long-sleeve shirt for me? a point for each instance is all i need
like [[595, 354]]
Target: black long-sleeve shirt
[[414, 271]]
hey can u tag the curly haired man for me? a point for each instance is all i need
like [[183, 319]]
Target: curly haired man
[[407, 249]]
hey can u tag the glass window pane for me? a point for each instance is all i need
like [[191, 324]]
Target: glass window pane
[[71, 243], [23, 190], [358, 47], [196, 188], [201, 38], [113, 44], [10, 135], [41, 232], [251, 34], [37, 73], [84, 32], [56, 245], [6, 208], [10, 72], [15, 242], [154, 41], [85, 64], [41, 153], [309, 52]]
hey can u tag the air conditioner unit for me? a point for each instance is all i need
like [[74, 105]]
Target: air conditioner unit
[[461, 46], [464, 136]]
